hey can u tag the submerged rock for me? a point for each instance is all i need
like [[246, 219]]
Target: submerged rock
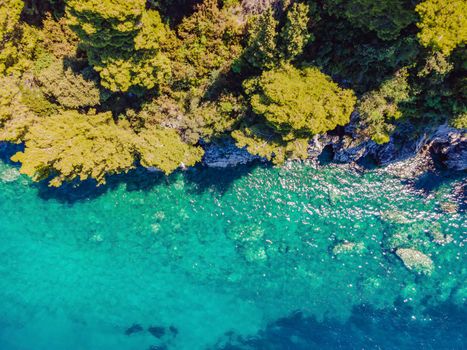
[[156, 331], [348, 247], [9, 175], [449, 207], [438, 237], [394, 217], [135, 328], [415, 260]]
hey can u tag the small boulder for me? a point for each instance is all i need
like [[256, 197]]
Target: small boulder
[[135, 328], [348, 247], [415, 260], [157, 332]]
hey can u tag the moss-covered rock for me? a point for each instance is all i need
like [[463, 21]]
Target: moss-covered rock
[[415, 260]]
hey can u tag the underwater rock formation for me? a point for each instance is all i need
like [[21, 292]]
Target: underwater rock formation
[[348, 247], [415, 260], [135, 328]]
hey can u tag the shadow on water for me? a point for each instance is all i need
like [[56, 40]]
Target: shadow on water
[[365, 329], [431, 181], [7, 150], [138, 179], [199, 178], [219, 179]]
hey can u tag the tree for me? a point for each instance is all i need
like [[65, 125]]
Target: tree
[[69, 89], [300, 101], [261, 51], [71, 145], [210, 41], [385, 17], [15, 116], [443, 24], [265, 142], [165, 150], [380, 107], [124, 42], [294, 35], [10, 11], [17, 41]]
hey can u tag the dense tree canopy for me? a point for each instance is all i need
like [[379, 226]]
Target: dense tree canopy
[[443, 24], [303, 101], [123, 41], [97, 87], [385, 17], [71, 145]]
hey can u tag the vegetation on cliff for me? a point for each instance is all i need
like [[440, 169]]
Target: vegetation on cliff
[[97, 87]]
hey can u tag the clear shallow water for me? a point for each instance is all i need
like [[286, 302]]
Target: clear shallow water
[[240, 259]]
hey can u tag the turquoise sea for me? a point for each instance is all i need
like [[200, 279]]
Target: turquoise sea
[[254, 257]]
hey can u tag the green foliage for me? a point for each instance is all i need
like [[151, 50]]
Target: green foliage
[[268, 43], [261, 48], [300, 101], [123, 41], [15, 116], [385, 17], [17, 43], [58, 38], [10, 11], [210, 41], [459, 121], [380, 107], [33, 98], [71, 145], [264, 142], [165, 150], [443, 24], [69, 89], [173, 88], [294, 35], [203, 120]]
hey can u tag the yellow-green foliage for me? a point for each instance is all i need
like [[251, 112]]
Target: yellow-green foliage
[[459, 121], [18, 42], [69, 89], [71, 145], [165, 150], [210, 41], [200, 120], [59, 39], [33, 98], [378, 108], [211, 119], [295, 33], [265, 143], [300, 101], [385, 17], [123, 42], [10, 11], [15, 117], [443, 24], [261, 51]]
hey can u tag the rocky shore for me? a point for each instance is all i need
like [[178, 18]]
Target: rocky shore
[[403, 156]]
